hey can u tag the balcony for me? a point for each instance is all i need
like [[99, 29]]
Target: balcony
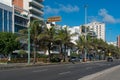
[[21, 15], [37, 17], [36, 10], [36, 3]]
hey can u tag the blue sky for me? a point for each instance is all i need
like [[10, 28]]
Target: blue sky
[[72, 13]]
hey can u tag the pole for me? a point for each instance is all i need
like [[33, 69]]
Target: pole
[[29, 39], [85, 50], [28, 45]]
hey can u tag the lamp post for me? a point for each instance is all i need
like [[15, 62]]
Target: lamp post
[[85, 50], [28, 45], [28, 39]]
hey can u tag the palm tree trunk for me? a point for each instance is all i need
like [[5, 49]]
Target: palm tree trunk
[[34, 59], [49, 46], [35, 46], [65, 52], [61, 51]]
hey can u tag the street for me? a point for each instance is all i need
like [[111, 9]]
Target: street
[[56, 72]]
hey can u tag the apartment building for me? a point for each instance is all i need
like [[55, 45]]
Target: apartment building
[[25, 11], [15, 14], [75, 29], [5, 17], [20, 20], [98, 28], [118, 41], [35, 8]]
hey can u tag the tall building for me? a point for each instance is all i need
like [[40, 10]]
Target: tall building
[[118, 41], [20, 20], [15, 14], [98, 28], [75, 29], [6, 2], [5, 17], [35, 8]]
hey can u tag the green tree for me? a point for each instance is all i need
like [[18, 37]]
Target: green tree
[[63, 36], [8, 43], [47, 37], [35, 29]]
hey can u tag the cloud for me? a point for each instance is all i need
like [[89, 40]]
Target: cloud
[[107, 17], [94, 18], [49, 10], [103, 16], [61, 8], [69, 8]]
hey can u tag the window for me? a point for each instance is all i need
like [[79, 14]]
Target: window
[[5, 21], [1, 21], [10, 21]]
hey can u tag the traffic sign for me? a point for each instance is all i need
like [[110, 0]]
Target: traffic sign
[[54, 19]]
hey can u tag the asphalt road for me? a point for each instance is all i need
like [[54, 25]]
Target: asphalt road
[[56, 72]]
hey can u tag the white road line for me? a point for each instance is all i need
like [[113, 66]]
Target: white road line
[[89, 68], [40, 70], [71, 66], [65, 73]]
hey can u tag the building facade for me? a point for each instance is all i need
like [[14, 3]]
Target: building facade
[[118, 41], [73, 30], [5, 18], [98, 28], [35, 8], [15, 14], [25, 11], [20, 20], [112, 43]]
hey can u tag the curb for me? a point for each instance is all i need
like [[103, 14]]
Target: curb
[[37, 64], [95, 75], [27, 65]]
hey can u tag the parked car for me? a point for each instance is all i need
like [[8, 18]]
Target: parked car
[[110, 59], [74, 59]]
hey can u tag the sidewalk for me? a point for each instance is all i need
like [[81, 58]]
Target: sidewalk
[[108, 74], [21, 65], [113, 75]]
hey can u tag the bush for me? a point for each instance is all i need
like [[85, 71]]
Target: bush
[[55, 59], [42, 56]]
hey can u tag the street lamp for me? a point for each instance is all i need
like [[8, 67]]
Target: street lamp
[[29, 39], [28, 45], [85, 50]]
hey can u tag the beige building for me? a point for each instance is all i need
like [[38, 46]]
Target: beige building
[[118, 41], [98, 28]]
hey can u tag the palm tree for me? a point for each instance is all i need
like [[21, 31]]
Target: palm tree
[[47, 37], [64, 37], [36, 27]]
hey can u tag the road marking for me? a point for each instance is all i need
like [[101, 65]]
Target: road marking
[[71, 66], [41, 70], [65, 73], [89, 68]]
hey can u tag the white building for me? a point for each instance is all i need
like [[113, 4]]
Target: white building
[[35, 7], [112, 43], [98, 28], [75, 29], [6, 2]]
